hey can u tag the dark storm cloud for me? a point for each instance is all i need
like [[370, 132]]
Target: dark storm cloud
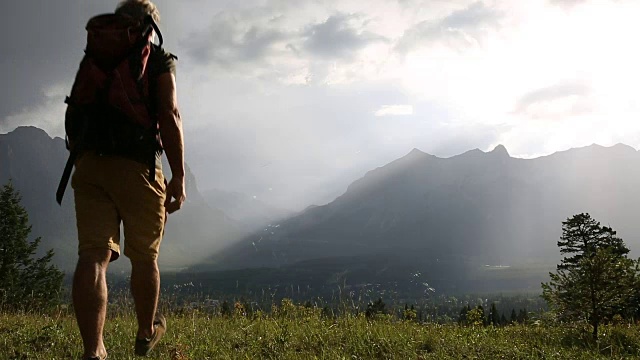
[[42, 45], [233, 40], [457, 26], [229, 40], [338, 37]]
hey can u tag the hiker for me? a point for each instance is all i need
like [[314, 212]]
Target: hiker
[[121, 114]]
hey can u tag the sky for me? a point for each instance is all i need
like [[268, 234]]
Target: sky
[[291, 101]]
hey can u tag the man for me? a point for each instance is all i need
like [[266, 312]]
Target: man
[[111, 189]]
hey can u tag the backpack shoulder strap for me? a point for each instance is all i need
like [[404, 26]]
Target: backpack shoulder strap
[[152, 26]]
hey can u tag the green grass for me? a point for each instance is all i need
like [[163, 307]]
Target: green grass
[[293, 332]]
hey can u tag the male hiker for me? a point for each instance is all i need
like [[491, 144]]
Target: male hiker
[[121, 113]]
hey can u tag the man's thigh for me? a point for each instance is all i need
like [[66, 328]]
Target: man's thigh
[[97, 217], [140, 203]]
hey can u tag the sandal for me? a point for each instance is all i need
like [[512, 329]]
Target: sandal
[[97, 358], [144, 346]]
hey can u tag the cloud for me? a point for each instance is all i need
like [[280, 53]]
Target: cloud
[[32, 56], [340, 36], [461, 28], [245, 45], [270, 45], [554, 102], [47, 115], [567, 3], [298, 85], [391, 110], [230, 41]]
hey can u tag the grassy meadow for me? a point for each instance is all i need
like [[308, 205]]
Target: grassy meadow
[[291, 331]]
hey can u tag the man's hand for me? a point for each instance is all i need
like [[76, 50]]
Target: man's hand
[[176, 191]]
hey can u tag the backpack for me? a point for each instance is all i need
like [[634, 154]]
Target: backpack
[[109, 109]]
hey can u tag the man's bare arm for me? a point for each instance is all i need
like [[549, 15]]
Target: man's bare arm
[[172, 139]]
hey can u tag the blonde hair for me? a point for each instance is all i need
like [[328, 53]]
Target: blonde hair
[[138, 9]]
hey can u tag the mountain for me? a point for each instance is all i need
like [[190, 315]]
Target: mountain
[[459, 214], [249, 211], [466, 222], [34, 161]]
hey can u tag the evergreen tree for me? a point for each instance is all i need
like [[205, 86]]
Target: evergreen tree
[[503, 320], [582, 236], [523, 316], [494, 318], [25, 282], [632, 311], [596, 280], [483, 314], [475, 317], [420, 315], [225, 309], [409, 313], [514, 317], [462, 317]]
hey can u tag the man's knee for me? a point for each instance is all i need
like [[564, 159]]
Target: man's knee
[[95, 256], [150, 264]]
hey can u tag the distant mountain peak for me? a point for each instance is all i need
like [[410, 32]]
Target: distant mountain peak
[[594, 148], [415, 154], [29, 131], [500, 150], [624, 147], [470, 153]]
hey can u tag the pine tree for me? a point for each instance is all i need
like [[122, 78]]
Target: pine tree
[[582, 236], [597, 279], [225, 309], [503, 320], [633, 309], [514, 317], [494, 318], [25, 282], [523, 316], [482, 314], [462, 317], [409, 313]]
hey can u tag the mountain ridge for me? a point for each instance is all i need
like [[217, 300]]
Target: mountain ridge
[[457, 205], [420, 211]]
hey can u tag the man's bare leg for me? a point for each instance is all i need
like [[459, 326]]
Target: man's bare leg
[[145, 288], [89, 295]]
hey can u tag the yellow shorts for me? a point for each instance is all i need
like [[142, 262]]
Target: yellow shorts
[[111, 190]]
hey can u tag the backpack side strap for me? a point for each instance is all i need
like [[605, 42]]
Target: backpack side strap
[[66, 174]]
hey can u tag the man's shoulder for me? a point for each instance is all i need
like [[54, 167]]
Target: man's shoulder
[[159, 52], [161, 61]]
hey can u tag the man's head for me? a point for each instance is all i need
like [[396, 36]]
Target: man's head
[[138, 9]]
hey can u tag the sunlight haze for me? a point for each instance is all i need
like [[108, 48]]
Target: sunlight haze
[[289, 102]]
